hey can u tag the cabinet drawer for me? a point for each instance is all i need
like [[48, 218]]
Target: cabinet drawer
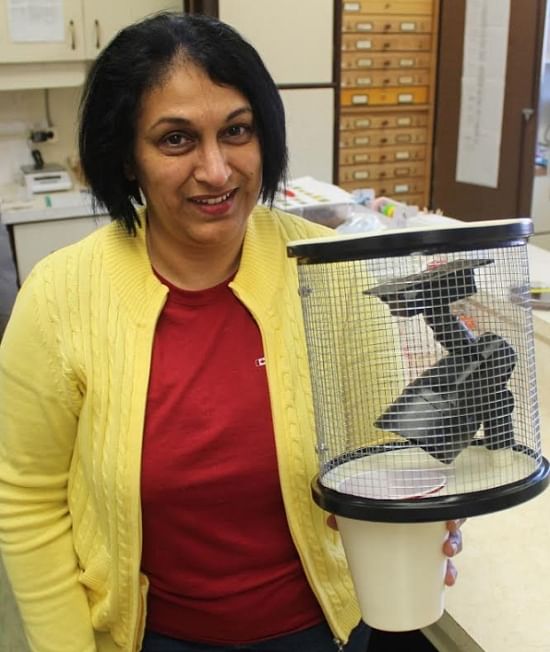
[[381, 171], [387, 24], [379, 96], [422, 7], [358, 155], [384, 79], [382, 137], [386, 61], [387, 42], [395, 188], [382, 120]]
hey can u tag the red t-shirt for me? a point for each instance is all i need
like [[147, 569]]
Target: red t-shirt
[[216, 545]]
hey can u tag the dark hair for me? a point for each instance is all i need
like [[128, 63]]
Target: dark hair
[[138, 59]]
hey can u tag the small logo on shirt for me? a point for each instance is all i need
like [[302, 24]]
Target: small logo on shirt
[[259, 362]]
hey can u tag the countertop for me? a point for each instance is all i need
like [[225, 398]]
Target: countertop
[[17, 208], [501, 601]]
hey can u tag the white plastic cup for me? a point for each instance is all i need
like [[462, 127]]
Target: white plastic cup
[[398, 570]]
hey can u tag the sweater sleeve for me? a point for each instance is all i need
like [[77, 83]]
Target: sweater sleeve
[[39, 408]]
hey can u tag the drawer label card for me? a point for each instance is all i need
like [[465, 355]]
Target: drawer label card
[[360, 99], [408, 27], [402, 156], [405, 98], [352, 6], [361, 140], [363, 45], [406, 81], [406, 63], [362, 122], [364, 27], [361, 174], [364, 63], [360, 158], [364, 81], [401, 187], [404, 122]]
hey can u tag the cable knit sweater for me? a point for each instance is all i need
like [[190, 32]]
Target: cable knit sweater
[[74, 369]]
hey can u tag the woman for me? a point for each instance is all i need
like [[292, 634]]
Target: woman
[[157, 442]]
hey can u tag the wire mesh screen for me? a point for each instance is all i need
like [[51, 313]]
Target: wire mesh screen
[[423, 372]]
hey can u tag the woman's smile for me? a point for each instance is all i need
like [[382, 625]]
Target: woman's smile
[[215, 204]]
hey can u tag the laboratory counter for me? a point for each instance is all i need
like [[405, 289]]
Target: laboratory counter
[[501, 601]]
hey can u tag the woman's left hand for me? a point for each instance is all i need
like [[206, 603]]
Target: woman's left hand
[[451, 547]]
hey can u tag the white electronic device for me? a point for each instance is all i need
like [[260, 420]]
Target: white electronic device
[[49, 178]]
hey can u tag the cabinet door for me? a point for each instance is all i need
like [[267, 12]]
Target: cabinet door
[[293, 38], [44, 34], [35, 240], [104, 18], [310, 129]]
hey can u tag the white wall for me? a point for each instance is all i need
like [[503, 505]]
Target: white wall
[[21, 111]]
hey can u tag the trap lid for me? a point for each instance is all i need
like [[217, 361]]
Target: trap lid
[[395, 242]]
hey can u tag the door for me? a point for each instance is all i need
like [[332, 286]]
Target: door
[[512, 196]]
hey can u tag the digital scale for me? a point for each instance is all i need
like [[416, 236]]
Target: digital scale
[[49, 178]]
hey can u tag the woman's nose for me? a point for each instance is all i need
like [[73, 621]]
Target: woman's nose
[[212, 165]]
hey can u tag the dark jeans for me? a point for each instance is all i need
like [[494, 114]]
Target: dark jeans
[[313, 639]]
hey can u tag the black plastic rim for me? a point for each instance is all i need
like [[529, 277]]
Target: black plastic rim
[[338, 249], [439, 508]]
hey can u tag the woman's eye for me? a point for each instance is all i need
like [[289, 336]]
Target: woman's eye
[[239, 133], [176, 139]]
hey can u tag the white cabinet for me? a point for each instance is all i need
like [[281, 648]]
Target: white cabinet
[[310, 127], [294, 38], [34, 240], [79, 31], [63, 38], [104, 18]]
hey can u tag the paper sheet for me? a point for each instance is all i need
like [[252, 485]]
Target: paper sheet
[[35, 21], [483, 86]]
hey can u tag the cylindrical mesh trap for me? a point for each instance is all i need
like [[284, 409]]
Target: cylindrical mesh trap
[[421, 354]]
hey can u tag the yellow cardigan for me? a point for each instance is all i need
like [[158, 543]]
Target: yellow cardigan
[[74, 369]]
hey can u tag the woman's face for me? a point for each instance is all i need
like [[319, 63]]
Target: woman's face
[[197, 159]]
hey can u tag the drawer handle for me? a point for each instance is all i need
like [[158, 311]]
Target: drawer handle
[[387, 63], [387, 27], [73, 36], [385, 123], [383, 141], [97, 34], [386, 46]]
